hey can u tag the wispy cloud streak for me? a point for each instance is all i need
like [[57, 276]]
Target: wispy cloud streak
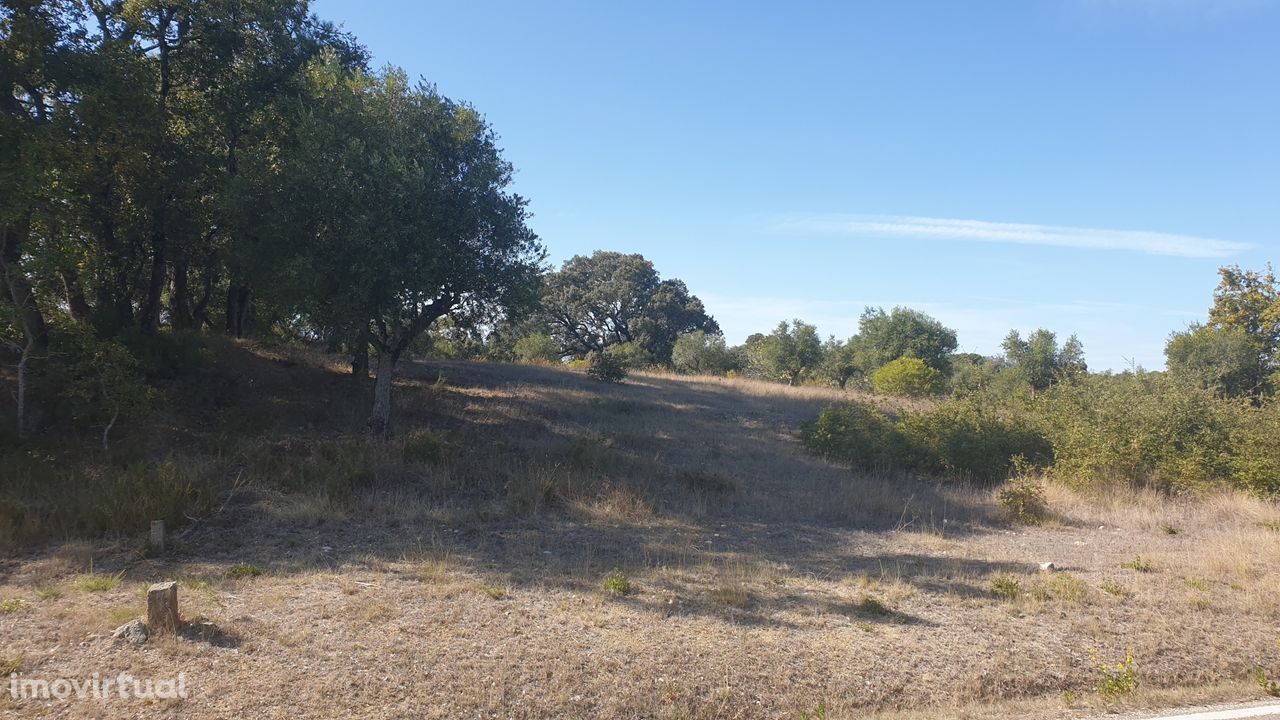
[[1151, 243]]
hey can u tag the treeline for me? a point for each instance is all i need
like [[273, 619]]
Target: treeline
[[231, 167], [1209, 420], [613, 307]]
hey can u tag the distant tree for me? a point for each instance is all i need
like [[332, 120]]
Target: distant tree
[[611, 298], [839, 362], [1226, 360], [788, 354], [883, 337], [701, 354], [907, 376], [972, 373], [1040, 361], [1245, 317]]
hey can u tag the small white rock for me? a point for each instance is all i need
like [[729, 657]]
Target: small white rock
[[1048, 567]]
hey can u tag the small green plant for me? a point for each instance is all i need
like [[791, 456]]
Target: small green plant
[[49, 592], [1118, 679], [12, 605], [1061, 586], [865, 627], [1168, 529], [1138, 565], [617, 583], [244, 570], [606, 367], [1116, 589], [97, 582], [1269, 686], [1273, 526], [1069, 698], [819, 713], [1006, 587], [1198, 584], [497, 592], [1023, 500]]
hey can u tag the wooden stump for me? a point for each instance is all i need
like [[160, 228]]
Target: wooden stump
[[162, 608]]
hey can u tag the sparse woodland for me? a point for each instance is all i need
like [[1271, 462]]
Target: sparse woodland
[[226, 239]]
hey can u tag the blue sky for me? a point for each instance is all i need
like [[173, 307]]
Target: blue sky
[[1079, 165]]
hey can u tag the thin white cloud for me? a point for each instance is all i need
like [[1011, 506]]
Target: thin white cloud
[[870, 226]]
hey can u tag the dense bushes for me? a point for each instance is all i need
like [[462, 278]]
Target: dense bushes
[[1147, 428], [961, 439], [1138, 428]]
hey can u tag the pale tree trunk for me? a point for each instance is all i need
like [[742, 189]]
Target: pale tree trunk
[[380, 418], [15, 288]]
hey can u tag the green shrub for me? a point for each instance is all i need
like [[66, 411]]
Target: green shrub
[[606, 367], [858, 435], [98, 383], [537, 349], [1023, 500], [958, 439], [1006, 587], [1118, 679], [617, 583], [967, 439], [631, 355], [908, 376]]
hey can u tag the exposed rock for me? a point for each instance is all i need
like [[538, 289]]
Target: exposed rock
[[1048, 567], [133, 631]]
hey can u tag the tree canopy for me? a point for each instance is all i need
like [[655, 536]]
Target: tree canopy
[[610, 298]]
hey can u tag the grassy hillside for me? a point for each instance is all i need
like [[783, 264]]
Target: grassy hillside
[[533, 543]]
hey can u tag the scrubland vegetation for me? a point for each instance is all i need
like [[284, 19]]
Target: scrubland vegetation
[[589, 504]]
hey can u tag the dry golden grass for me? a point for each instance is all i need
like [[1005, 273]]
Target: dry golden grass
[[470, 579]]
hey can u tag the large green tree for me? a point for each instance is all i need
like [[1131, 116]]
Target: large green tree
[[886, 336], [792, 352], [1238, 352], [610, 298], [1040, 361], [408, 219]]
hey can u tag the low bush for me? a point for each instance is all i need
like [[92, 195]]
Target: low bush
[[606, 367], [858, 435], [968, 439], [1023, 500], [957, 440], [908, 376]]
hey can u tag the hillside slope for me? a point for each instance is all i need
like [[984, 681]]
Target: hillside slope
[[537, 544]]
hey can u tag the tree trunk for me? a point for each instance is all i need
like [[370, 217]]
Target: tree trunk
[[180, 315], [17, 289], [22, 391], [237, 308], [360, 356], [380, 418], [150, 320], [77, 303]]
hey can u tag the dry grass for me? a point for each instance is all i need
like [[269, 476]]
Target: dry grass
[[472, 578]]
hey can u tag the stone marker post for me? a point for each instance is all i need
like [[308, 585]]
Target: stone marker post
[[162, 608]]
